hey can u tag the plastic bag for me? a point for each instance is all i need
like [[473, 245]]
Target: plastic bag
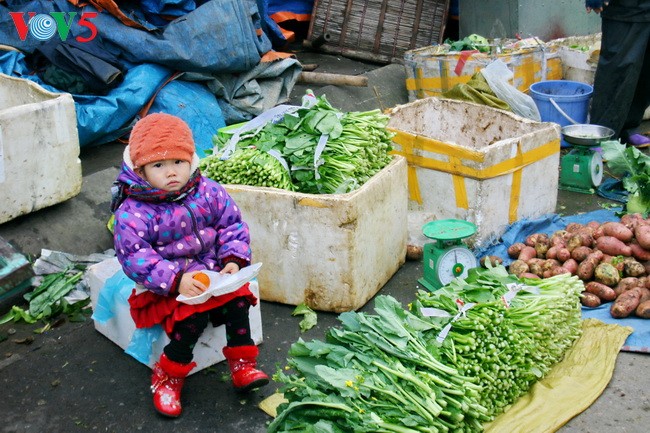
[[498, 77]]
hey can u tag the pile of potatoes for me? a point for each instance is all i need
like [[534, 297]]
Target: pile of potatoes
[[612, 259]]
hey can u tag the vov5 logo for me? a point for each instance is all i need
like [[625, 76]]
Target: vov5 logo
[[44, 26]]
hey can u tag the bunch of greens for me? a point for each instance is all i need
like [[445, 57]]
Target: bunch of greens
[[512, 335], [375, 374], [634, 168], [454, 362], [47, 301], [327, 151], [247, 166]]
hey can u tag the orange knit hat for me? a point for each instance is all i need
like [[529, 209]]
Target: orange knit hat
[[158, 137]]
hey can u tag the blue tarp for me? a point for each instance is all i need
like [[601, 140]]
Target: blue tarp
[[639, 340], [213, 38]]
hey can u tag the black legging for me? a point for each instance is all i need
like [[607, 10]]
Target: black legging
[[186, 333]]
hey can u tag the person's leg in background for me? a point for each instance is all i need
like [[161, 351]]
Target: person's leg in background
[[619, 86]]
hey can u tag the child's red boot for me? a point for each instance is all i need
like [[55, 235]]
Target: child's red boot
[[242, 361], [167, 382]]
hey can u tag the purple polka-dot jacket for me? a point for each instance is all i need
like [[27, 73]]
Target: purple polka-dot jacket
[[157, 241]]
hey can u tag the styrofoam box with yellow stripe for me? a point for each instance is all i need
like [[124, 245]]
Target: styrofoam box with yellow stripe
[[431, 72], [471, 162], [332, 252]]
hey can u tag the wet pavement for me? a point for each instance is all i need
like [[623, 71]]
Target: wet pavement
[[73, 379]]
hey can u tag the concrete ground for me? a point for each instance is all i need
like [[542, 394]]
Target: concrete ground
[[73, 379]]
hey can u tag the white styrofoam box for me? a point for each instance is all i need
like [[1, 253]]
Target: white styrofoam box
[[332, 252], [120, 328], [579, 56], [39, 148], [475, 163], [580, 64]]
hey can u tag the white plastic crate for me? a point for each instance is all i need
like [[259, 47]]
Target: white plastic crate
[[39, 148], [475, 163]]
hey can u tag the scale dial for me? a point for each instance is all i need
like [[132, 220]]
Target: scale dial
[[454, 262], [596, 169]]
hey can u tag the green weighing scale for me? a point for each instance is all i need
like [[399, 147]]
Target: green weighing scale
[[581, 170], [448, 257]]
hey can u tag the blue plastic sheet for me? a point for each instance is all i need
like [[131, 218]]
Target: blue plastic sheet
[[115, 293], [638, 341]]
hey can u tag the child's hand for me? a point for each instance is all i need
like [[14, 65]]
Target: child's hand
[[190, 287], [230, 268]]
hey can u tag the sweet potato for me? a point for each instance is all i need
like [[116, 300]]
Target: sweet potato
[[596, 256], [536, 238], [535, 267], [586, 270], [645, 294], [607, 274], [643, 310], [625, 304], [573, 227], [558, 270], [550, 264], [580, 253], [563, 254], [494, 260], [638, 252], [529, 275], [551, 253], [626, 284], [605, 293], [518, 267], [618, 230], [557, 239], [594, 225], [574, 242], [515, 249], [642, 235], [571, 265], [631, 220], [613, 246], [541, 249], [527, 253], [589, 300], [632, 268], [598, 232]]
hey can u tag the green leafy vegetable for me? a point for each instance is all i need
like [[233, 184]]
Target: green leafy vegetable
[[633, 167], [309, 320], [47, 301]]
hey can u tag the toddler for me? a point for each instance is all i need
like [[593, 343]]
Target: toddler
[[171, 223]]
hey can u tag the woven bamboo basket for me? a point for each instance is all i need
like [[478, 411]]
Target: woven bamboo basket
[[376, 30]]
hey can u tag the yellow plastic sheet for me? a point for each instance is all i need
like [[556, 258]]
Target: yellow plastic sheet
[[571, 386]]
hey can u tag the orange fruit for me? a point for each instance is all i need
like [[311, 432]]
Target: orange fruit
[[203, 278]]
